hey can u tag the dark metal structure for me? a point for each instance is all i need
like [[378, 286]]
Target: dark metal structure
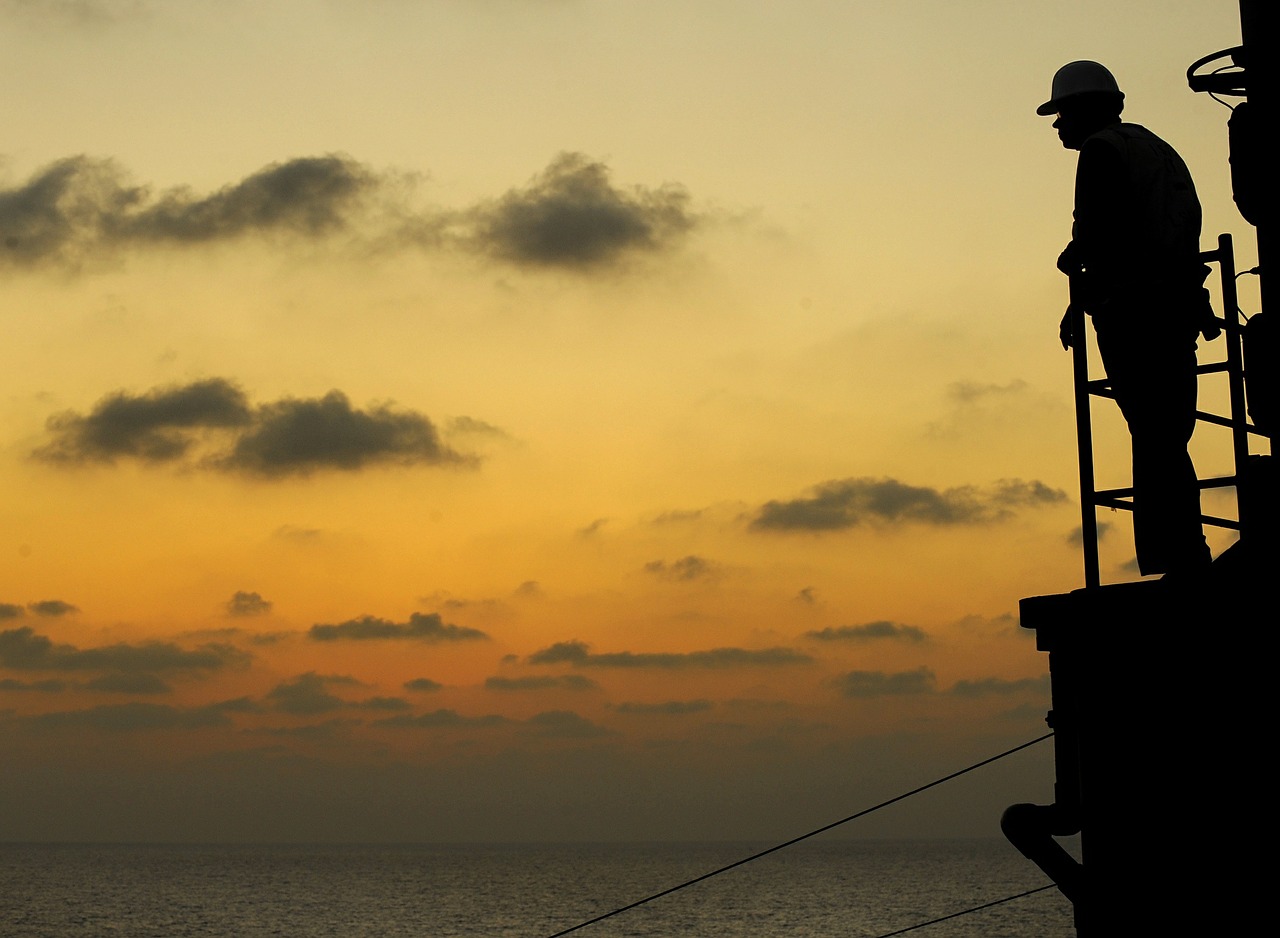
[[1150, 698]]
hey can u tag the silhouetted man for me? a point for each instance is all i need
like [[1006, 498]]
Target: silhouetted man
[[1134, 265]]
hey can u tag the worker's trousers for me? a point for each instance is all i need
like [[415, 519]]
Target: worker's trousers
[[1153, 374]]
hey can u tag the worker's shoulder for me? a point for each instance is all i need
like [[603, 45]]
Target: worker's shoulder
[[1129, 141], [1118, 135]]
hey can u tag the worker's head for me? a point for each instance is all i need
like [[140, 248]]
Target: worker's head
[[1086, 98]]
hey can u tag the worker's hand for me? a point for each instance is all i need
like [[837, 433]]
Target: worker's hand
[[1069, 260], [1064, 329], [1206, 318]]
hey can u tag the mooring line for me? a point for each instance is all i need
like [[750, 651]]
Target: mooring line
[[813, 833]]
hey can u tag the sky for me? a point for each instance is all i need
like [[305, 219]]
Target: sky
[[534, 420]]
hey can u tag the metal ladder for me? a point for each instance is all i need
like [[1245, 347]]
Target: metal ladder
[[1086, 388]]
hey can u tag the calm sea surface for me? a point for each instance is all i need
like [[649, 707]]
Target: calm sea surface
[[813, 889]]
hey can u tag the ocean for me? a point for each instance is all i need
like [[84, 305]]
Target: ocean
[[811, 889]]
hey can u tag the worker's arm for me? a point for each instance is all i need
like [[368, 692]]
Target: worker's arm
[[1097, 249]]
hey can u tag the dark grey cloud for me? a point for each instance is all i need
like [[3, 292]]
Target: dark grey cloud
[[443, 719], [994, 686], [133, 716], [288, 437], [673, 707], [687, 568], [383, 704], [80, 211], [1076, 537], [422, 627], [572, 216], [529, 589], [299, 436], [11, 611], [545, 682], [308, 694], [52, 608], [680, 516], [885, 684], [79, 208], [423, 684], [579, 655], [478, 427], [138, 683], [247, 604], [869, 632], [47, 687], [22, 649], [847, 503], [565, 724], [969, 392], [156, 426], [308, 195]]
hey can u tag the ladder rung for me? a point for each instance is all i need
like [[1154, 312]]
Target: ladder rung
[[1210, 368], [1220, 522], [1218, 482], [1215, 419]]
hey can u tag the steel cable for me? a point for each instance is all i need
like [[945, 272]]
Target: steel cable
[[812, 833]]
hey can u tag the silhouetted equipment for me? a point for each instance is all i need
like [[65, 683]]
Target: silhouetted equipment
[[1150, 698]]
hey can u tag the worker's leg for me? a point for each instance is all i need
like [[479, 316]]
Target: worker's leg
[[1155, 383]]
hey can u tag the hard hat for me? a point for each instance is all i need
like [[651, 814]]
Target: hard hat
[[1083, 77]]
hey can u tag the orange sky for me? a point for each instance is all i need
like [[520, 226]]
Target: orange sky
[[537, 420]]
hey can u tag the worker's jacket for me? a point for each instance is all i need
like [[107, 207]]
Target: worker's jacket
[[1136, 235]]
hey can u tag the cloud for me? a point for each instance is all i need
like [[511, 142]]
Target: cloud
[[307, 694], [991, 686], [970, 392], [156, 426], [673, 707], [46, 687], [52, 608], [309, 196], [565, 724], [88, 15], [129, 684], [128, 717], [443, 719], [80, 211], [11, 611], [882, 684], [562, 682], [572, 216], [288, 437], [579, 655], [529, 589], [22, 649], [1075, 537], [423, 627], [687, 568], [299, 436], [247, 604], [424, 684], [871, 631], [846, 503], [383, 703], [79, 208]]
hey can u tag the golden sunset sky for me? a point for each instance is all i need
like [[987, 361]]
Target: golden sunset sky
[[545, 419]]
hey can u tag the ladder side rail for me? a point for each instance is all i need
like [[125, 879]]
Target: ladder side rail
[[1084, 442], [1234, 336]]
